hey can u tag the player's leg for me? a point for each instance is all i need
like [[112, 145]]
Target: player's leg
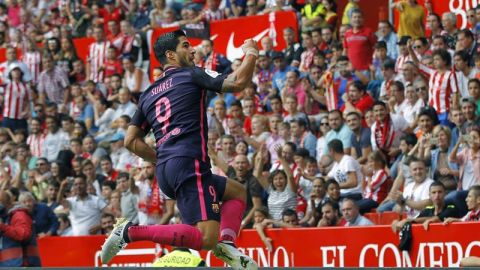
[[177, 179], [233, 207]]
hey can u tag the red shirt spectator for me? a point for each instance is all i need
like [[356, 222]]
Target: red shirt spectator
[[359, 42]]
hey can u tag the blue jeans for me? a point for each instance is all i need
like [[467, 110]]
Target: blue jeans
[[457, 198], [387, 206]]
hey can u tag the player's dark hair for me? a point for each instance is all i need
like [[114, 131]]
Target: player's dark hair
[[167, 42]]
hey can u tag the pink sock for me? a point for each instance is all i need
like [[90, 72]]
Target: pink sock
[[230, 219], [178, 235]]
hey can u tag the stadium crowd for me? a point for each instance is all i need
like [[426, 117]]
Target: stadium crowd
[[344, 121]]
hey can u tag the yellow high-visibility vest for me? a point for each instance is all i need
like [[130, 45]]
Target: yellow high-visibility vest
[[178, 258]]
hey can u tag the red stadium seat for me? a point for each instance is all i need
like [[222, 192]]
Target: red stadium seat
[[386, 218], [374, 217]]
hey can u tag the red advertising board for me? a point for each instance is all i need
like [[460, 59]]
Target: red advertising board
[[441, 246], [228, 35], [458, 7]]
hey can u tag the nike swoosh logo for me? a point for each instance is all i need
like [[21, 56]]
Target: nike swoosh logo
[[234, 52]]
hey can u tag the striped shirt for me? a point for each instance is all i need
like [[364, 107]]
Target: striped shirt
[[16, 100], [281, 200], [35, 141], [53, 84], [377, 186], [97, 53], [33, 60], [441, 87]]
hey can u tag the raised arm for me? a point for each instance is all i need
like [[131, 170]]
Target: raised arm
[[286, 168], [258, 170], [238, 80]]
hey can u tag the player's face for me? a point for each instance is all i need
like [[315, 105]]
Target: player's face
[[185, 53]]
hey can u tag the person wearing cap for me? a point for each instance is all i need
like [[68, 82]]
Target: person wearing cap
[[122, 159], [411, 18], [279, 77], [403, 56], [11, 55], [16, 102]]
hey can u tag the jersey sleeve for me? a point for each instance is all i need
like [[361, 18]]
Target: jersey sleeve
[[139, 120], [208, 79]]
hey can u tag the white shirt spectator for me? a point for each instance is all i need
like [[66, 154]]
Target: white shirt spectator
[[359, 221], [416, 192], [53, 143], [409, 111], [84, 214], [340, 171], [122, 158], [128, 108]]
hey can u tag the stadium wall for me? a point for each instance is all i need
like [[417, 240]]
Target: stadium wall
[[376, 246]]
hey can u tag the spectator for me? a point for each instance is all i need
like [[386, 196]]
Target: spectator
[[107, 221], [346, 171], [45, 221], [302, 137], [281, 185], [360, 140], [352, 215], [65, 227], [338, 131], [16, 101], [437, 212], [473, 204], [85, 210], [55, 140], [53, 83], [17, 231], [129, 200], [414, 197], [330, 215], [378, 182], [359, 42], [241, 172]]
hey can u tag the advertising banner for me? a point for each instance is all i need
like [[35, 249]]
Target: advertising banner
[[376, 246]]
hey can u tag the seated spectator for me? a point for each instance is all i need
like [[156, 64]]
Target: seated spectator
[[65, 227], [415, 195], [352, 214], [122, 159], [357, 99], [360, 140], [338, 130], [346, 171], [330, 215], [107, 169], [473, 205], [317, 198], [107, 221], [259, 215], [302, 136], [469, 165], [378, 182], [280, 185], [437, 212]]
